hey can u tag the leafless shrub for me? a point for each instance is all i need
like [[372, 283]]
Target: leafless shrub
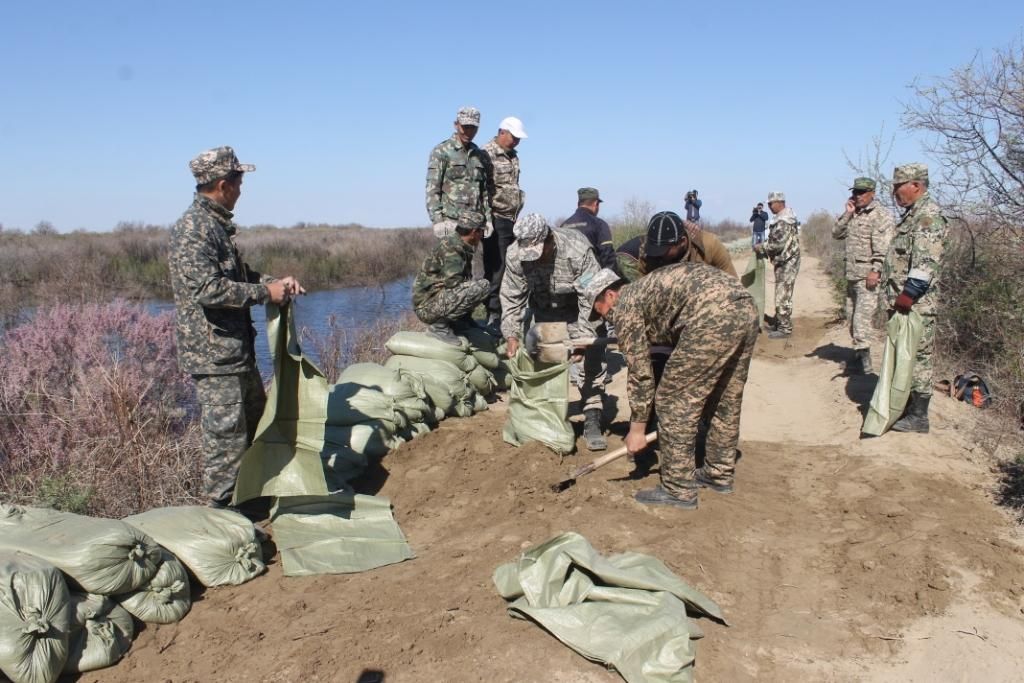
[[340, 346]]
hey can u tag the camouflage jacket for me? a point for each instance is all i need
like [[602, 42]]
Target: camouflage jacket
[[503, 180], [915, 252], [547, 286], [704, 247], [456, 180], [783, 243], [213, 290], [867, 232], [447, 266], [657, 308]]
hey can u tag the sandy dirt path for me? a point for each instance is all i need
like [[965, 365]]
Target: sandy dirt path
[[835, 559]]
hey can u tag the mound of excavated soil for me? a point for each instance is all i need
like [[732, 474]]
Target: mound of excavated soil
[[835, 559]]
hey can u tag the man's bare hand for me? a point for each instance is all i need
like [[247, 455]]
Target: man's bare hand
[[292, 286], [278, 292], [636, 438], [512, 346], [850, 207], [871, 281]]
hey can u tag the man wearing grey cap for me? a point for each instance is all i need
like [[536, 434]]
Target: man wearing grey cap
[[910, 279], [541, 271], [783, 248], [506, 200], [457, 176], [213, 291], [866, 226]]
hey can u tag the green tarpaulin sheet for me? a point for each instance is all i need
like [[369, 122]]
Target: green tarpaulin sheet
[[896, 374], [337, 534], [753, 280], [628, 611]]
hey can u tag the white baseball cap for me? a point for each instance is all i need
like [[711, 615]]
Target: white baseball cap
[[514, 126]]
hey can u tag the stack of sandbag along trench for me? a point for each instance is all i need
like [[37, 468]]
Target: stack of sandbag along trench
[[72, 586]]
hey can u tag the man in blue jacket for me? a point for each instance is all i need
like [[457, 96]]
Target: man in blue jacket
[[593, 228]]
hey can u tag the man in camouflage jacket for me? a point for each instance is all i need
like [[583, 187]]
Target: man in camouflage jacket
[[213, 290], [911, 279], [867, 227], [506, 200], [541, 272], [783, 248], [710, 322], [444, 293], [457, 176]]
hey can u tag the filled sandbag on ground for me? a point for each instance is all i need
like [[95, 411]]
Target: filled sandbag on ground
[[34, 619], [102, 556], [101, 632], [538, 407], [218, 546], [337, 534], [407, 388], [349, 404], [423, 345], [434, 371], [489, 351], [165, 599]]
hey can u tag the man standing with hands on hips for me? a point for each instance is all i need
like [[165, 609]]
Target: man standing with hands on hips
[[213, 291]]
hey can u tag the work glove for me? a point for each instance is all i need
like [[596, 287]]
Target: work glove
[[444, 228], [488, 229], [903, 303]]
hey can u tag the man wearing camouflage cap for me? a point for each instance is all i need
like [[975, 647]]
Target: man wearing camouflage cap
[[213, 291], [783, 248], [596, 230], [457, 176], [541, 271], [867, 227], [506, 199], [910, 279], [710, 322], [444, 293]]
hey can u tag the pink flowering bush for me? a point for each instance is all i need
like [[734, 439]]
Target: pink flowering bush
[[94, 414]]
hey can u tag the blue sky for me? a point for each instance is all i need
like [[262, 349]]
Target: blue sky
[[338, 104]]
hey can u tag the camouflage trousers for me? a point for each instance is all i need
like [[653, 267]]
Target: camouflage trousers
[[861, 307], [454, 303], [594, 372], [232, 406], [704, 378], [785, 281], [923, 368]]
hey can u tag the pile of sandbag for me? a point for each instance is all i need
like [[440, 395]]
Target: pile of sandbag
[[70, 585]]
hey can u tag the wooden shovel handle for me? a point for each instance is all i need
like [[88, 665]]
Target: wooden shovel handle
[[608, 457]]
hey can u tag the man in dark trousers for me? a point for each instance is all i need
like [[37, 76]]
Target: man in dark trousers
[[593, 228], [758, 219]]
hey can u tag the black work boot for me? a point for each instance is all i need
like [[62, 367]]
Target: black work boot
[[443, 331], [659, 496], [915, 419], [864, 365], [702, 478], [493, 327], [779, 334], [592, 430]]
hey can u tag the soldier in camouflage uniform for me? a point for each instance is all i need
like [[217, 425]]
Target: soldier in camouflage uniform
[[710, 321], [541, 271], [457, 176], [910, 279], [444, 293], [867, 227], [783, 248], [213, 290], [506, 200]]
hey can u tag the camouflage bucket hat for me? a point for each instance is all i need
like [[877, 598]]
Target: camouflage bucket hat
[[586, 194], [863, 183], [474, 220], [468, 116], [530, 232], [216, 163], [908, 172], [776, 197], [592, 285]]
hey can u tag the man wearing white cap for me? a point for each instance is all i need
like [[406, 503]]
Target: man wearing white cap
[[506, 200]]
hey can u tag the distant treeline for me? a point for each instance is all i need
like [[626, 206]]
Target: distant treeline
[[43, 267]]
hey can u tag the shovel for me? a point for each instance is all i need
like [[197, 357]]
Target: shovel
[[597, 463]]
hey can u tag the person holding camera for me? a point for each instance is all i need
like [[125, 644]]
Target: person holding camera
[[693, 207], [758, 219]]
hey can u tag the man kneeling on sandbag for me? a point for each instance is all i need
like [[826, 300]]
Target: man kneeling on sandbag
[[445, 293], [710, 322]]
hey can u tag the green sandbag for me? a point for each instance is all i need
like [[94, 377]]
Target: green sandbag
[[166, 599], [103, 556], [349, 404], [423, 345], [101, 633], [341, 467], [34, 619], [753, 280], [434, 372], [628, 611], [218, 546], [896, 375], [374, 438], [482, 380], [337, 534], [488, 350], [406, 388], [539, 404]]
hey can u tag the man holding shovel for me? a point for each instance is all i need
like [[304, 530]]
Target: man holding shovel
[[710, 321]]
